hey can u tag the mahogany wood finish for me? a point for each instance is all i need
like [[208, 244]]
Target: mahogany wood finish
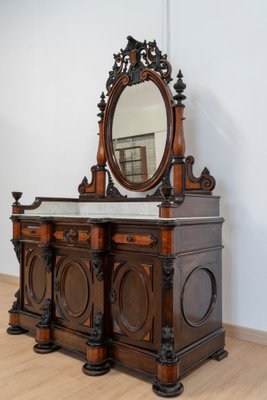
[[144, 292]]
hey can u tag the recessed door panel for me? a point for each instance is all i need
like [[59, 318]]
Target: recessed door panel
[[35, 279], [73, 291], [133, 295]]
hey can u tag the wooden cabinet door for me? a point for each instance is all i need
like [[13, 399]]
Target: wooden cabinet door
[[73, 290], [134, 298], [36, 280]]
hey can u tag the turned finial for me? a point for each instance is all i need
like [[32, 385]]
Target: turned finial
[[17, 196], [179, 87], [101, 105], [167, 193]]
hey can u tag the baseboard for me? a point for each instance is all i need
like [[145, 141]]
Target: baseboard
[[9, 279], [248, 334]]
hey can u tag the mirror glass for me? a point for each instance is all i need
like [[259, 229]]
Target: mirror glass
[[139, 131]]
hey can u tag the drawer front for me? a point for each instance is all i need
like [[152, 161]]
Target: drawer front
[[78, 235], [31, 231], [134, 239]]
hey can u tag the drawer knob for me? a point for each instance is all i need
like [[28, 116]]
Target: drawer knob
[[129, 239]]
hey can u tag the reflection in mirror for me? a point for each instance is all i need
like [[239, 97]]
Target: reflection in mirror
[[139, 131]]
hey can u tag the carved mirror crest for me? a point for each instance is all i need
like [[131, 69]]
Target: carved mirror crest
[[141, 130]]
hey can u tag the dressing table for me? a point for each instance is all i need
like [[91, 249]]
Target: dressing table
[[129, 279]]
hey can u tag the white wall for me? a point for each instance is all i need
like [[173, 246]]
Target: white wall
[[54, 61], [221, 48]]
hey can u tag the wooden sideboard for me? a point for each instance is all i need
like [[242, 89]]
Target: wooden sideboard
[[133, 281]]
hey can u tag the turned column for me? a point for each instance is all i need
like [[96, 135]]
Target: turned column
[[44, 333], [96, 346], [44, 329], [167, 383], [14, 317]]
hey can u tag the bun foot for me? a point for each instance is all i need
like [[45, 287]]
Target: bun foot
[[96, 369], [168, 389], [44, 348], [16, 330], [219, 355]]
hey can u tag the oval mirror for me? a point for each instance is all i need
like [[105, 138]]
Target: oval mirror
[[139, 131]]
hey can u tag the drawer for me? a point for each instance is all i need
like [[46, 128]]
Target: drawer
[[135, 239], [30, 231], [72, 235]]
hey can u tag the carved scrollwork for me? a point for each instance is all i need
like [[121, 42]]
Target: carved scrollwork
[[47, 257], [167, 353], [97, 336], [112, 191], [205, 182], [70, 235], [17, 248], [82, 186], [97, 265], [167, 272], [134, 59], [16, 304], [112, 296], [46, 316]]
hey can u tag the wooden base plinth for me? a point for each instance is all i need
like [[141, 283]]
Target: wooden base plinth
[[167, 389], [44, 340], [96, 369], [16, 330], [219, 355], [14, 322], [167, 383], [44, 348], [97, 363]]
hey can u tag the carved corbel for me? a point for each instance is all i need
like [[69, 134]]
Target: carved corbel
[[17, 248], [205, 182], [167, 272], [47, 257], [98, 266]]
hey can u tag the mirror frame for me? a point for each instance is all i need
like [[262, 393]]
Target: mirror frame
[[118, 88], [138, 62]]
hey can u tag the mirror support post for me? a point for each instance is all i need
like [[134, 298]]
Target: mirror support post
[[178, 151], [97, 186], [179, 142]]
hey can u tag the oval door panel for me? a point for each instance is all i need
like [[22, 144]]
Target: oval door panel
[[74, 289], [37, 279], [133, 300]]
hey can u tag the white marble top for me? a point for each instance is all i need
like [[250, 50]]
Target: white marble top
[[101, 210], [112, 216]]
